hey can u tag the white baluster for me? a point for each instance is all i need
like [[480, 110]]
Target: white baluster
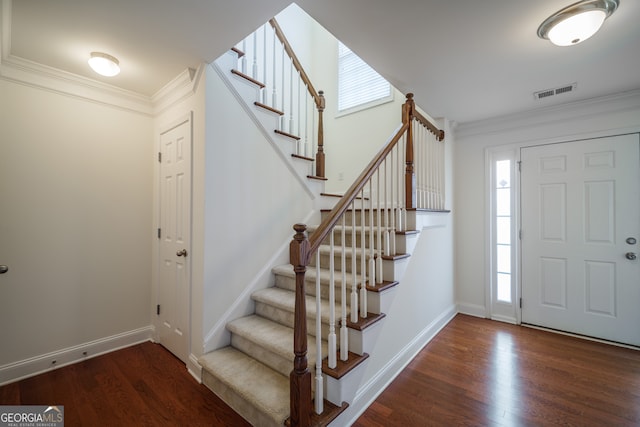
[[378, 231], [332, 307], [274, 93], [306, 123], [386, 235], [264, 64], [282, 119], [372, 259], [319, 399], [354, 263], [299, 133], [254, 65], [291, 98], [244, 57], [392, 211], [363, 259], [344, 343]]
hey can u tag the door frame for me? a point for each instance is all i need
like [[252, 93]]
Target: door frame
[[162, 129], [489, 156]]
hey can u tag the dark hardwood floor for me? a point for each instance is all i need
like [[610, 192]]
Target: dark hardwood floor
[[143, 385], [476, 372], [479, 372]]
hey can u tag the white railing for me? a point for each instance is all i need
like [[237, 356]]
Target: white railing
[[429, 155], [269, 59]]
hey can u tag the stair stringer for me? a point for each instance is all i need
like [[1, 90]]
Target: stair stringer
[[246, 93]]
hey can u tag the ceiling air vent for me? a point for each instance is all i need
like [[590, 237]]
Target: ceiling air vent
[[547, 93]]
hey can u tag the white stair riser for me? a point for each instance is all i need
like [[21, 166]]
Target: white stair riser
[[380, 302], [361, 342], [344, 389]]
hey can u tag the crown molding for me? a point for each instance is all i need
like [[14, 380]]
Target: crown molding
[[33, 74], [181, 87], [40, 76], [618, 102]]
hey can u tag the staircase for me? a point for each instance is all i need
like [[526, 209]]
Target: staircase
[[251, 375], [354, 260]]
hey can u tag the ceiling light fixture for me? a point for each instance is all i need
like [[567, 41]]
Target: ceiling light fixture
[[103, 64], [576, 23]]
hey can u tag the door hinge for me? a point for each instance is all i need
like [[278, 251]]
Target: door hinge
[[159, 157], [519, 165], [519, 235], [159, 232], [520, 303], [158, 309]]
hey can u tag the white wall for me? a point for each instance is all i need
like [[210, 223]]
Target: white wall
[[597, 117], [76, 186], [251, 202], [350, 141]]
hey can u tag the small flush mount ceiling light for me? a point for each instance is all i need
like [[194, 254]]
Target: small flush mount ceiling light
[[578, 22], [103, 64]]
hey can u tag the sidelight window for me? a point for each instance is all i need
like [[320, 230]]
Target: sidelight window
[[503, 220]]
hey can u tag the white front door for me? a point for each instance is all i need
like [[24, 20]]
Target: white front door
[[580, 226], [175, 239]]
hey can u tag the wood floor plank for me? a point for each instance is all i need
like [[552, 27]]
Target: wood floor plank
[[475, 372], [481, 372]]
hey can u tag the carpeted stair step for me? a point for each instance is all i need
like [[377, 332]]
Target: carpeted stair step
[[285, 278], [269, 342], [279, 304], [348, 234], [252, 389]]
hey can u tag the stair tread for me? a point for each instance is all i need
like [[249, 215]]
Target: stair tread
[[348, 253], [285, 300], [255, 382], [348, 228], [310, 275], [272, 336]]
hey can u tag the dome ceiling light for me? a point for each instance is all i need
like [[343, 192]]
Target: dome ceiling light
[[103, 64], [578, 22]]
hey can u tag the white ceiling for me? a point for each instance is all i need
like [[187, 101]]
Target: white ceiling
[[464, 59]]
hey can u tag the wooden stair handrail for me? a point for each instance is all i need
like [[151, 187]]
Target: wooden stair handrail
[[318, 96], [296, 63], [303, 247], [352, 193]]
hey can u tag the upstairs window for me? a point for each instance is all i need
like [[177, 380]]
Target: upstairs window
[[359, 86]]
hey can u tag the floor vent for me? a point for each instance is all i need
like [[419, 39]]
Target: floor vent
[[553, 92]]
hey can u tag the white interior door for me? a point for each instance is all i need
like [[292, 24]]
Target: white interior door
[[580, 226], [175, 239]]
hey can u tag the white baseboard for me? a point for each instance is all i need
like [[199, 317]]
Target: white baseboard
[[194, 368], [472, 309], [369, 391], [36, 365]]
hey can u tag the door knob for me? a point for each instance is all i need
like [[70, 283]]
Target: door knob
[[631, 241], [3, 269], [182, 253], [630, 256]]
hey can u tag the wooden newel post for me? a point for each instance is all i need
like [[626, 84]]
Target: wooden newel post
[[409, 176], [300, 377], [320, 155]]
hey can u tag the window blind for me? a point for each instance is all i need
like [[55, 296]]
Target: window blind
[[358, 83]]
